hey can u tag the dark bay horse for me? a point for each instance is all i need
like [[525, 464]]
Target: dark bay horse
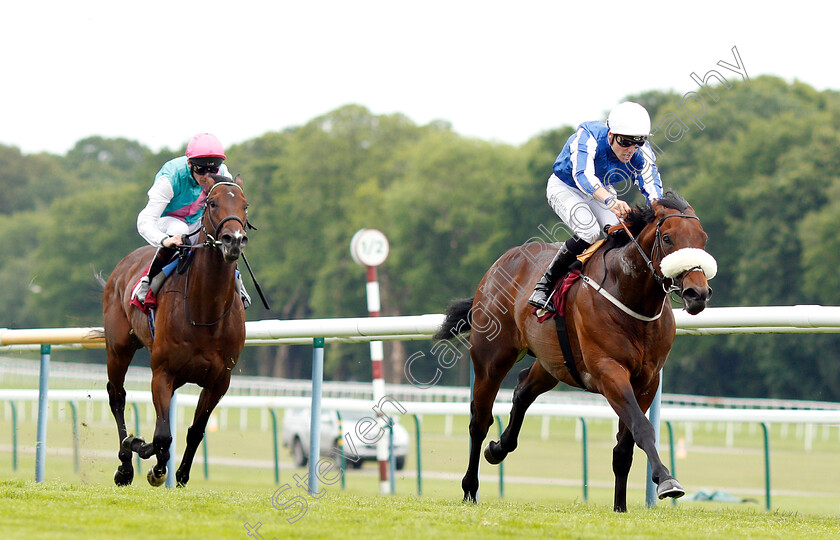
[[199, 331], [618, 351]]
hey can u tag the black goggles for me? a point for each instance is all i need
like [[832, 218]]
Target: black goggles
[[626, 141], [199, 170]]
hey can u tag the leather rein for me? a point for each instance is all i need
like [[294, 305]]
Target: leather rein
[[660, 279]]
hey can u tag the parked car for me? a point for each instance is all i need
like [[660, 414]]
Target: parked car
[[295, 436]]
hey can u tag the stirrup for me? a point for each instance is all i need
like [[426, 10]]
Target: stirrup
[[543, 305], [240, 288]]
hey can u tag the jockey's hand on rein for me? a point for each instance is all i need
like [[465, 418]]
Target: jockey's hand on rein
[[172, 241]]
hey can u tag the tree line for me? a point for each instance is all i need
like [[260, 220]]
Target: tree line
[[760, 173]]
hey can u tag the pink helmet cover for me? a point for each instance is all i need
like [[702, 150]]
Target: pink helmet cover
[[205, 145]]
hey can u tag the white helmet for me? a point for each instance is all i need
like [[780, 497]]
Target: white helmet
[[629, 118]]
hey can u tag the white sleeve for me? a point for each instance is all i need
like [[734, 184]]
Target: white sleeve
[[147, 221]]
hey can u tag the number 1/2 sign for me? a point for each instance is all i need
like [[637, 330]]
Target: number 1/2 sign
[[369, 247]]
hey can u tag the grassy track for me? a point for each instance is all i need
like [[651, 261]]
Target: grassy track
[[550, 470], [57, 509]]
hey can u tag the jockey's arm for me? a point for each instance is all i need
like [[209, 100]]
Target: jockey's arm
[[613, 203], [159, 196]]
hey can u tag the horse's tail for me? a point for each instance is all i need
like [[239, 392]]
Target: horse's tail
[[457, 320]]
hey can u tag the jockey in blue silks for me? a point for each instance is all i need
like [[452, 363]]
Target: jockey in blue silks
[[580, 190]]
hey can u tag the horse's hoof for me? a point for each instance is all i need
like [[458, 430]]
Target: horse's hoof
[[469, 497], [181, 479], [670, 488], [493, 453], [154, 479], [123, 476]]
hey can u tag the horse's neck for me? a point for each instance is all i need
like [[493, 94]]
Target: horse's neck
[[209, 272], [636, 286]]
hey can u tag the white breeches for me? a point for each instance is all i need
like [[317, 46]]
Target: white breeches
[[173, 226], [583, 214]]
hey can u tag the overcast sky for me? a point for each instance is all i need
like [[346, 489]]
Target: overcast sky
[[158, 72]]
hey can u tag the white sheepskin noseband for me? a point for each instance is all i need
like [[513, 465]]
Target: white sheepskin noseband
[[687, 258]]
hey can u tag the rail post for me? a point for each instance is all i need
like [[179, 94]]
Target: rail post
[[673, 457], [766, 432], [419, 468], [206, 457], [43, 388], [276, 450], [653, 414], [14, 435], [75, 437], [137, 433], [315, 420], [585, 463], [173, 430], [502, 464]]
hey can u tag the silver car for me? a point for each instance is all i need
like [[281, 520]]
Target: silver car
[[295, 436]]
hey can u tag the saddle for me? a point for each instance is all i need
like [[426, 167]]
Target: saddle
[[179, 262], [558, 299]]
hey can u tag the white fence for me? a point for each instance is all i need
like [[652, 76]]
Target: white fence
[[723, 320], [746, 320]]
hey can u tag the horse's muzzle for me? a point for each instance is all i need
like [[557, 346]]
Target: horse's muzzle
[[232, 245], [696, 297]]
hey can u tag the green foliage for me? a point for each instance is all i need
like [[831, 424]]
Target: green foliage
[[759, 165]]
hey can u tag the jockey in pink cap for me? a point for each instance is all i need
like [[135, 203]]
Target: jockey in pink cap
[[175, 208]]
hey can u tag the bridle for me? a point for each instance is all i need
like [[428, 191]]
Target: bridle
[[211, 242], [661, 279], [210, 239]]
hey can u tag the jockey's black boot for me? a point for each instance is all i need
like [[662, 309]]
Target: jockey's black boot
[[566, 255]]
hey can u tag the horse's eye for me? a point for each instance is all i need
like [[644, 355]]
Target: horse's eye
[[211, 203], [667, 239]]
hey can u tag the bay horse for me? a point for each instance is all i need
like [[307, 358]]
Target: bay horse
[[619, 347], [199, 331]]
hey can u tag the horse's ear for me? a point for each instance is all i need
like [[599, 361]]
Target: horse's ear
[[238, 180]]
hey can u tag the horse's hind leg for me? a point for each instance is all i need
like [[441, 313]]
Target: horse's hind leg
[[532, 382], [120, 353], [489, 373], [622, 461], [207, 401]]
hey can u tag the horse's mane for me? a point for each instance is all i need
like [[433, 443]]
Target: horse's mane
[[641, 216]]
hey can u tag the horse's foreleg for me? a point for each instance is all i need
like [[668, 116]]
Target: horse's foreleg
[[207, 401], [615, 385], [532, 382], [622, 461], [162, 390]]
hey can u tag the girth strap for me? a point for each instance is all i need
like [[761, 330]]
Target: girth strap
[[566, 348]]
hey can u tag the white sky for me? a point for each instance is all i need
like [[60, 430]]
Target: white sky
[[158, 72]]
